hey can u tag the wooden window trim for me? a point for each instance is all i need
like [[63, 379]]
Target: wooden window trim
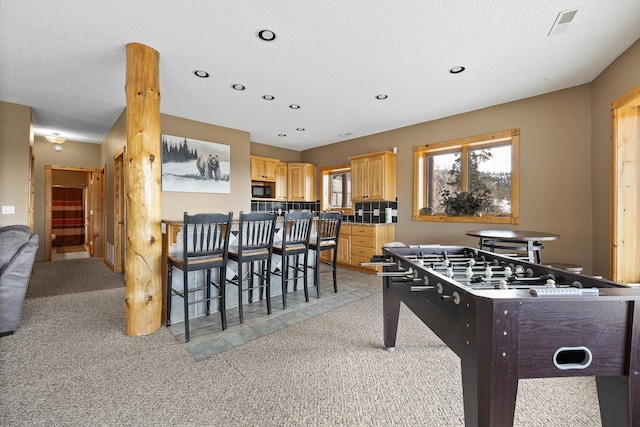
[[324, 196], [419, 158]]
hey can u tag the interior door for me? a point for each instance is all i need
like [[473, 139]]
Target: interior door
[[119, 216], [625, 194]]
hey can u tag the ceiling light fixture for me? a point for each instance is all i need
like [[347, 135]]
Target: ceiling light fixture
[[268, 97], [200, 73], [381, 96], [456, 70], [55, 138], [238, 87], [266, 35], [294, 106], [57, 147]]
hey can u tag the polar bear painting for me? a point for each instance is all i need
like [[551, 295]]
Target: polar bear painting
[[209, 166]]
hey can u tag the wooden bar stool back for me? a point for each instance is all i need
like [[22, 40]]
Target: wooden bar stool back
[[326, 239], [205, 240], [254, 244], [296, 233]]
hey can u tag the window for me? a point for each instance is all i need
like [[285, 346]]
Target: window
[[336, 188], [473, 179]]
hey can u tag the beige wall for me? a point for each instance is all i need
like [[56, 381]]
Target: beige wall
[[282, 154], [619, 78], [555, 187], [175, 204], [15, 140]]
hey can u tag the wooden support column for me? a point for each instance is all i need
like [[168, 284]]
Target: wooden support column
[[142, 167]]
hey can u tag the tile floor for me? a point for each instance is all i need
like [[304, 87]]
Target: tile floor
[[208, 338]]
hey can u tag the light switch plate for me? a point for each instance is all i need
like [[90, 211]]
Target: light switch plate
[[8, 210], [376, 212]]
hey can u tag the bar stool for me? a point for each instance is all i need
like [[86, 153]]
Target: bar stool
[[205, 240], [326, 239], [296, 234], [254, 244]]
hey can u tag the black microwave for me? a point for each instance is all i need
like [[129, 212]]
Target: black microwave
[[261, 191]]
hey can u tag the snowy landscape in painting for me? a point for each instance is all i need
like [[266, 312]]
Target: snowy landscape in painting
[[190, 165]]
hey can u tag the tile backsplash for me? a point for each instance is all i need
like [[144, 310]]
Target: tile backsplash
[[373, 212], [276, 206], [364, 212]]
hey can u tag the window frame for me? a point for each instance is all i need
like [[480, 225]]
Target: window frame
[[421, 152], [325, 173]]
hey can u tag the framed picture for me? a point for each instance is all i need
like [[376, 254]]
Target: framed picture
[[190, 165]]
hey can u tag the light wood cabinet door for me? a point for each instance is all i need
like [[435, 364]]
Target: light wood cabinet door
[[263, 169], [301, 182], [373, 177], [376, 173], [359, 180], [344, 248], [281, 181]]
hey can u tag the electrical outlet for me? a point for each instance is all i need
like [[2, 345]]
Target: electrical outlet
[[376, 212], [8, 210], [360, 212]]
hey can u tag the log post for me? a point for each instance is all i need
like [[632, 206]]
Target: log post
[[142, 167]]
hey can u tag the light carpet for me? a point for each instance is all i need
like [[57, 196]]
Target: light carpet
[[70, 364]]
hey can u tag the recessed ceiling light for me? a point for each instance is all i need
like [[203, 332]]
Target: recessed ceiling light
[[282, 134], [294, 106], [456, 70], [238, 87], [268, 97], [381, 96], [266, 35], [202, 74], [300, 129]]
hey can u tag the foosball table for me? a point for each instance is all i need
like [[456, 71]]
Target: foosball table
[[509, 319]]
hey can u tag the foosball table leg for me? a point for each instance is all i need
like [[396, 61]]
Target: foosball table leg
[[620, 396], [391, 313]]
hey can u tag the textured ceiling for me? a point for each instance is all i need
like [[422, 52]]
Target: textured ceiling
[[66, 59]]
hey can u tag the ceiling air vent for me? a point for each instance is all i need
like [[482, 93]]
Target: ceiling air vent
[[562, 22]]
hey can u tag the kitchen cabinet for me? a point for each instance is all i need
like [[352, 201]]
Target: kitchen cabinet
[[281, 181], [263, 169], [358, 243], [367, 241], [344, 247], [301, 182], [373, 177]]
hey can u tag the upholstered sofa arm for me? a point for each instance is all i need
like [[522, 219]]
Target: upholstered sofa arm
[[18, 246]]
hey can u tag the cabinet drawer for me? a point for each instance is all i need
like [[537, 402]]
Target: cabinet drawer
[[363, 231], [365, 241], [360, 252], [345, 230]]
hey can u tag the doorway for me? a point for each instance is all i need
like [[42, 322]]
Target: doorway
[[83, 229], [119, 213], [625, 195]]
